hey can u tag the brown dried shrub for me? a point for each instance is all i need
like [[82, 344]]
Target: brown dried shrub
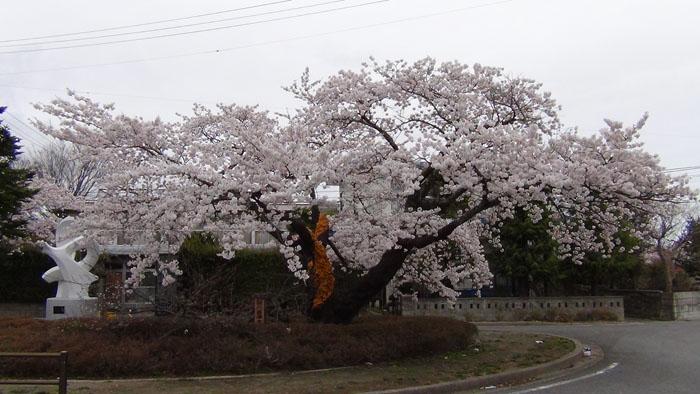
[[177, 347], [557, 315]]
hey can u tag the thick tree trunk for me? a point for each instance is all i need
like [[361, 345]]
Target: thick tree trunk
[[594, 281], [668, 268], [667, 260], [345, 303]]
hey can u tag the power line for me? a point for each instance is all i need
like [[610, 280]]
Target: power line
[[681, 169], [23, 135], [31, 129], [195, 31], [145, 23], [263, 43], [134, 96], [174, 27], [18, 132], [89, 92], [22, 122], [28, 136]]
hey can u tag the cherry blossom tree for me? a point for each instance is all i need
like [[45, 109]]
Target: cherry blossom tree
[[429, 158], [669, 240]]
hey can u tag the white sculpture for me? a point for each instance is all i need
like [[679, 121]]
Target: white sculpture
[[73, 277]]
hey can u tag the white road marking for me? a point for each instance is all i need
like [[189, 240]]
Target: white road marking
[[563, 382]]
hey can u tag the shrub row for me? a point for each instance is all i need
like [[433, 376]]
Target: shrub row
[[560, 315], [211, 285], [160, 346], [20, 275]]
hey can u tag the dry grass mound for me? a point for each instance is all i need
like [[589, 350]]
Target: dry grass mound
[[178, 347]]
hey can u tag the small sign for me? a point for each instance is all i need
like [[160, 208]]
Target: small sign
[[258, 309]]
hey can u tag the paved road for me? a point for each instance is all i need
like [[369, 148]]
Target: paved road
[[640, 357]]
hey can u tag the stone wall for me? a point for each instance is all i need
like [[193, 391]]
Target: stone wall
[[645, 304], [13, 309], [657, 305], [686, 305], [511, 308]]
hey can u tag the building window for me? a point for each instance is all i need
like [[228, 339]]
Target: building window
[[145, 293]]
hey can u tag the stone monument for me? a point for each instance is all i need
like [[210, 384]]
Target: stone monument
[[73, 277]]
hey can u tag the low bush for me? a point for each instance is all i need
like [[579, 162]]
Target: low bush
[[596, 315], [562, 316], [558, 315], [534, 316], [164, 346]]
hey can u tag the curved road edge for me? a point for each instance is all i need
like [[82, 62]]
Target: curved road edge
[[570, 363]]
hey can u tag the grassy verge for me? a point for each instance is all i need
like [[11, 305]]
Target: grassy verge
[[494, 352]]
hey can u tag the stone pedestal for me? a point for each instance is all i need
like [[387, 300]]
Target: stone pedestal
[[64, 308]]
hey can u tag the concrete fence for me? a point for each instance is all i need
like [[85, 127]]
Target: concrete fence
[[657, 305], [686, 305], [511, 308]]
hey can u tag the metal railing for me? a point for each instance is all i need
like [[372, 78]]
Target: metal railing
[[61, 381]]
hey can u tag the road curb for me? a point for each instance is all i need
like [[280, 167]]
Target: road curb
[[209, 377], [499, 379]]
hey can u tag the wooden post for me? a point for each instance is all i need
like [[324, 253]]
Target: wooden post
[[259, 309], [63, 376]]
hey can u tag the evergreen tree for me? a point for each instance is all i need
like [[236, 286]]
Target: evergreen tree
[[528, 257], [528, 260], [14, 185]]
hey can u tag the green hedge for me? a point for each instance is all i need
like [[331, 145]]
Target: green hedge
[[212, 285], [20, 275]]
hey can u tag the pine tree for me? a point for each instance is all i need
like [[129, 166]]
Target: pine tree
[[14, 185]]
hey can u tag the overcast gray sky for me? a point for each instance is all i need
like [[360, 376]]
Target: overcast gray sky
[[600, 59]]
